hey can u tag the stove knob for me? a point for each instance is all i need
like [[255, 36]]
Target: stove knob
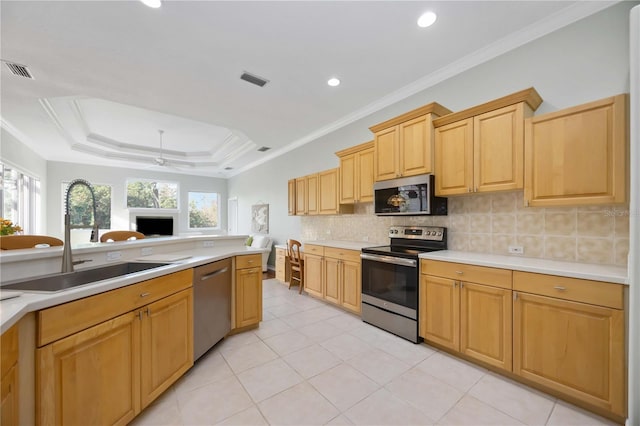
[[439, 234]]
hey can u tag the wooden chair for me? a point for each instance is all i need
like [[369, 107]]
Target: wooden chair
[[296, 264], [121, 236], [13, 242]]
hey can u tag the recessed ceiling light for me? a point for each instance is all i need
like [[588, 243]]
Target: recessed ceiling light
[[427, 19], [333, 82], [152, 3]]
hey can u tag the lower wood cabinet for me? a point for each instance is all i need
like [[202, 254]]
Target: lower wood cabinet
[[108, 372], [314, 270], [9, 377], [281, 264], [248, 290]]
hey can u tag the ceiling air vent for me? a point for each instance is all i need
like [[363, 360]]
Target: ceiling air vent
[[264, 149], [253, 79], [19, 70]]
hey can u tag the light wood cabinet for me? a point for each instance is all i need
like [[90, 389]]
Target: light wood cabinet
[[328, 188], [467, 309], [281, 264], [9, 412], [248, 290], [356, 173], [301, 196], [403, 146], [119, 362], [481, 149], [573, 347], [314, 270], [291, 193], [578, 155]]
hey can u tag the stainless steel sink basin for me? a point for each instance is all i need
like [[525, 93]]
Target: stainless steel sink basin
[[64, 281]]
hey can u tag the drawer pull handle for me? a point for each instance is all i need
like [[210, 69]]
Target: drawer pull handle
[[459, 272], [144, 294], [560, 288]]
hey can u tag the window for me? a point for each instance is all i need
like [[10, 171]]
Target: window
[[20, 201], [81, 208], [203, 210], [151, 194]]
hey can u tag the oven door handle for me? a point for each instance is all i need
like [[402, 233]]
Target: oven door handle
[[390, 259]]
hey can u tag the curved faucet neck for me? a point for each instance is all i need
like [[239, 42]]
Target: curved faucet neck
[[67, 261]]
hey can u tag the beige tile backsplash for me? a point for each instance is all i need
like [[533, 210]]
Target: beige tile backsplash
[[490, 223]]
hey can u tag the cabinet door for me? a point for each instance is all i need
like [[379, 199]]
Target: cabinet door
[[313, 206], [364, 180], [332, 278], [167, 343], [440, 311], [91, 377], [498, 149], [327, 192], [9, 393], [485, 324], [572, 347], [454, 158], [248, 296], [578, 155], [416, 147], [301, 196], [291, 190], [281, 262], [386, 154], [351, 287], [348, 179], [313, 271]]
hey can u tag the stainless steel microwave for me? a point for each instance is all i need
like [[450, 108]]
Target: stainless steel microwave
[[408, 196]]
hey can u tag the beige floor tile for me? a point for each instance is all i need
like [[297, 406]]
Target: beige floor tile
[[346, 321], [248, 417], [271, 328], [244, 357], [340, 420], [163, 411], [282, 310], [524, 404], [320, 331], [453, 371], [382, 408], [406, 351], [312, 360], [469, 411], [269, 302], [344, 386], [310, 316], [208, 369], [379, 366], [214, 402], [299, 405], [428, 394], [288, 342], [346, 346], [268, 379], [565, 414], [237, 340]]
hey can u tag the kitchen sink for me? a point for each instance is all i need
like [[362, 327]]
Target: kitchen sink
[[64, 281]]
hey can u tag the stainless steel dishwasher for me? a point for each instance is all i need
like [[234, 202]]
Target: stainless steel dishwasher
[[211, 305]]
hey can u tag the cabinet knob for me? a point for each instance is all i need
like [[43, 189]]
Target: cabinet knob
[[459, 272], [515, 296], [560, 288], [144, 294], [469, 189]]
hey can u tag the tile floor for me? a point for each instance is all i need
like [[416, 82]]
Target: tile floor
[[311, 363]]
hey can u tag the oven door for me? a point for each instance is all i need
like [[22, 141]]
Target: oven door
[[390, 283]]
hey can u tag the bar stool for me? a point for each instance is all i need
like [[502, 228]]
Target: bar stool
[[296, 263]]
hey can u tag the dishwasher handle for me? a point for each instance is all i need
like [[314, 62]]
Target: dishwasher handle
[[213, 274]]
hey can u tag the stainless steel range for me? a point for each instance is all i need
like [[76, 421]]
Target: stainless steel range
[[390, 278]]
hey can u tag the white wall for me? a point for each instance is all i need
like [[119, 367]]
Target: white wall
[[585, 61], [59, 172], [18, 155]]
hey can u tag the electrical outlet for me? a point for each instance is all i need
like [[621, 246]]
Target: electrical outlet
[[146, 251], [114, 255], [207, 244], [516, 249]]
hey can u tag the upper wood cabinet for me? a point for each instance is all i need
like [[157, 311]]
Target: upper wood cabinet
[[318, 194], [301, 196], [307, 195], [578, 155], [356, 173], [481, 149], [291, 192], [404, 145]]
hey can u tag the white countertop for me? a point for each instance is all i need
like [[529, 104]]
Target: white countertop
[[11, 310], [607, 273]]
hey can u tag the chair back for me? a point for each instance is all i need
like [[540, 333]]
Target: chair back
[[293, 251], [121, 236], [13, 242]]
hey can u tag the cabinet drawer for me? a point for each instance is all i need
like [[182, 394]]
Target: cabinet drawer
[[248, 261], [63, 320], [280, 252], [471, 273], [314, 249], [342, 254], [585, 291]]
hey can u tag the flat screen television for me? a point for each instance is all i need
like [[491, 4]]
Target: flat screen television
[[154, 226]]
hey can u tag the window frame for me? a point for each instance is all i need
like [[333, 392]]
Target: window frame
[[219, 219], [27, 208]]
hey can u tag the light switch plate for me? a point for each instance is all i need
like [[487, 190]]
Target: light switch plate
[[114, 255], [146, 251], [207, 244], [516, 249]]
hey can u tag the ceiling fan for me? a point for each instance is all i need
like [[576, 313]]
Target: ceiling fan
[[160, 161]]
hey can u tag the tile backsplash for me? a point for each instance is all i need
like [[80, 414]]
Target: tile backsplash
[[490, 223]]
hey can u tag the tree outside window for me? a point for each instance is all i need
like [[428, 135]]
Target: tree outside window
[[81, 205], [203, 210], [149, 194]]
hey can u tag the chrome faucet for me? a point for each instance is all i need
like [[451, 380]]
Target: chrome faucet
[[67, 260]]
